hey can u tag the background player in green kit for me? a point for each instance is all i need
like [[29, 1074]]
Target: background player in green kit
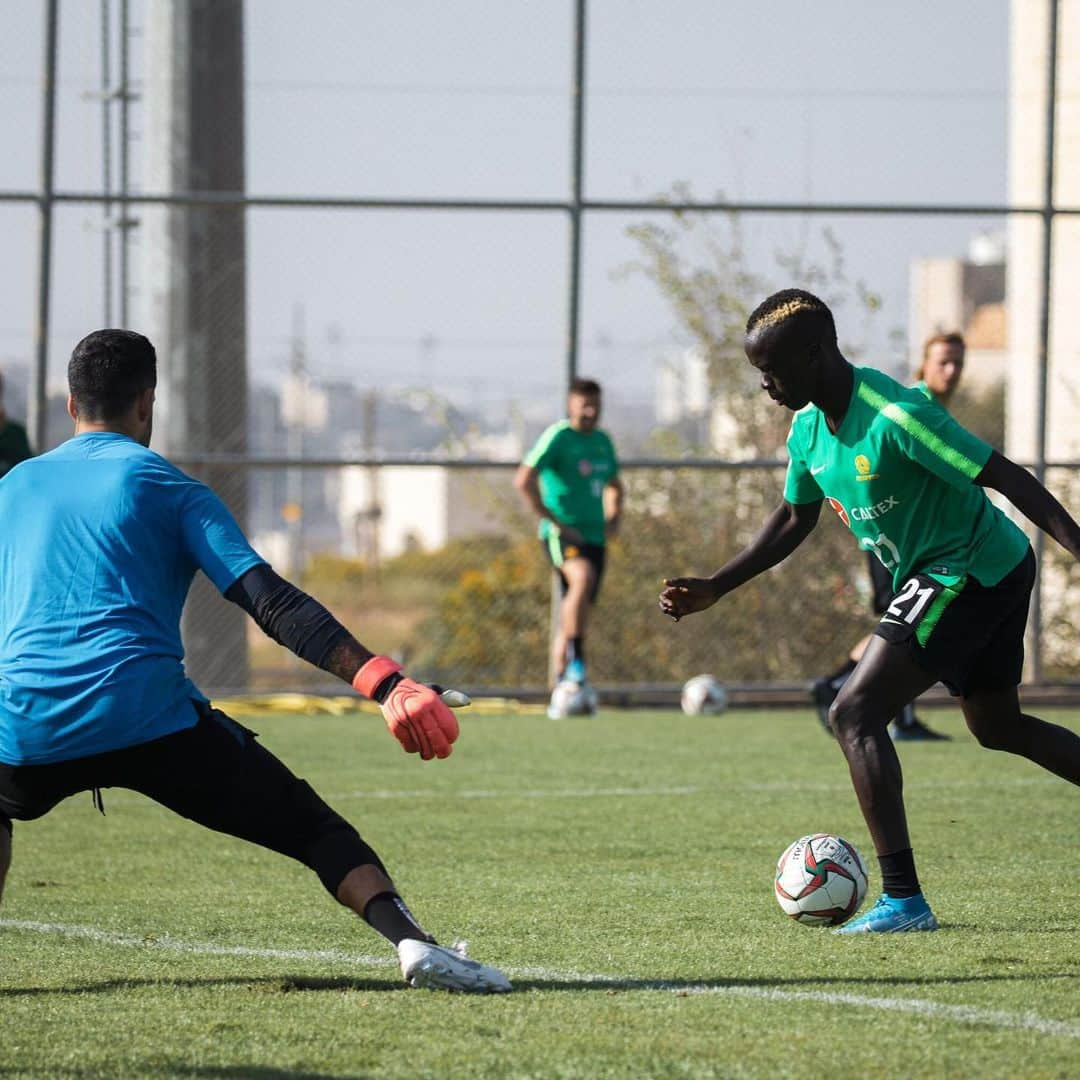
[[907, 480], [570, 479]]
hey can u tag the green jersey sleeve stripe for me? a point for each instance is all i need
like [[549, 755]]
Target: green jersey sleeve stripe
[[544, 442], [920, 432]]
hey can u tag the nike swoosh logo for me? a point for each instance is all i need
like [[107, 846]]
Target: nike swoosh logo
[[817, 469], [895, 622]]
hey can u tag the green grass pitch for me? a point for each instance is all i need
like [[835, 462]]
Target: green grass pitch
[[618, 867]]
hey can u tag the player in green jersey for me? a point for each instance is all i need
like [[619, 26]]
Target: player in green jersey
[[938, 377], [14, 446], [570, 480], [907, 480]]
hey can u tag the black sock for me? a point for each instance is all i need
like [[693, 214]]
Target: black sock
[[575, 649], [898, 876], [905, 718], [386, 912]]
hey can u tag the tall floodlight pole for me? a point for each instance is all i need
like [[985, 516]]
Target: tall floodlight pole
[[1042, 377], [194, 283], [37, 403]]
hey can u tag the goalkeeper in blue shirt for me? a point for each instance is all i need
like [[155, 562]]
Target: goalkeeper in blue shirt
[[102, 539]]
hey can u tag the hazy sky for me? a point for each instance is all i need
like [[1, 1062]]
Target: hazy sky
[[779, 101]]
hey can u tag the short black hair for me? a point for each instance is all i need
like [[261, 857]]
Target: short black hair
[[579, 385], [788, 307], [107, 372]]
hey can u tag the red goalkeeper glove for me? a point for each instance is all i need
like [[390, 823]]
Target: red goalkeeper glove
[[415, 714]]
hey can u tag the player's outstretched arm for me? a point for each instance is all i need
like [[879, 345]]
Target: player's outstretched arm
[[527, 483], [784, 530], [1032, 500], [416, 714]]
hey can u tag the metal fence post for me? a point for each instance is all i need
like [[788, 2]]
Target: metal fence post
[[573, 328], [1039, 543], [577, 198], [37, 400]]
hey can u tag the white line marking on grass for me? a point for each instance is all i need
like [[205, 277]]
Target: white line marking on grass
[[962, 1014], [492, 793], [841, 784], [120, 797], [201, 948]]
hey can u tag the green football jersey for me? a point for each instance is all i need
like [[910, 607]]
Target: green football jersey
[[900, 473], [14, 446], [574, 468]]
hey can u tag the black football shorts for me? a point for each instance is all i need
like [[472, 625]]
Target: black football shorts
[[215, 773], [558, 551], [970, 636]]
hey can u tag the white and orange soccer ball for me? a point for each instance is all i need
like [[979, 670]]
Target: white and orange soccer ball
[[820, 880]]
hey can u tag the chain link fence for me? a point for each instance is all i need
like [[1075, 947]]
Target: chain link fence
[[368, 287], [439, 565]]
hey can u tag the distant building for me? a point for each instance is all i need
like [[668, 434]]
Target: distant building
[[1027, 135], [388, 510], [685, 404], [682, 387], [1028, 43], [966, 295], [16, 388]]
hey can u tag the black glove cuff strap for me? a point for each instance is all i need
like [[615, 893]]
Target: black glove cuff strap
[[382, 691]]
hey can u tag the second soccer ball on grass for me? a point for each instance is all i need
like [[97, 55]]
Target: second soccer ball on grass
[[571, 698], [703, 694]]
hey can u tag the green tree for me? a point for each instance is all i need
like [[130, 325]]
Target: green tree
[[487, 620], [700, 265]]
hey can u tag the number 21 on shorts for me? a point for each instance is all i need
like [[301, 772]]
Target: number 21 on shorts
[[908, 607]]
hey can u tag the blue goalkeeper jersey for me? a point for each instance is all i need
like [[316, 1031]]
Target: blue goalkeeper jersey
[[99, 542]]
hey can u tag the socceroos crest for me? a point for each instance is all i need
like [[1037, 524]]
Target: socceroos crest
[[863, 468]]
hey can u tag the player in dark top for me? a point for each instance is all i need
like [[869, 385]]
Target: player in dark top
[[93, 692], [938, 377], [14, 445], [908, 481]]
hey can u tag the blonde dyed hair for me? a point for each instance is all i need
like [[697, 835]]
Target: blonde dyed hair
[[780, 308]]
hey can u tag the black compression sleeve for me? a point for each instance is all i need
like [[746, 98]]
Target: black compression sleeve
[[287, 614]]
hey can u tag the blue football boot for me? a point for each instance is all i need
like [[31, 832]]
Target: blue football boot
[[575, 672], [893, 915]]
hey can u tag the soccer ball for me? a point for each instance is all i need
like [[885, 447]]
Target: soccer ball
[[820, 880], [572, 699], [703, 694]]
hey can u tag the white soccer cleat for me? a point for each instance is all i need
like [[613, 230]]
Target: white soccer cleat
[[435, 967], [456, 699]]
